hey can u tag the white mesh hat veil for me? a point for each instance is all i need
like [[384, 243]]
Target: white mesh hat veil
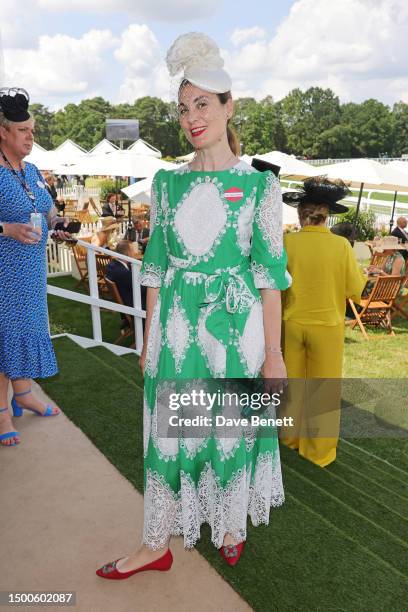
[[196, 57]]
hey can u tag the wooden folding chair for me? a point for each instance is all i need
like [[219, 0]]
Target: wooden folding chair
[[80, 256], [400, 306], [102, 261], [97, 209], [70, 208], [378, 259], [378, 305], [130, 330]]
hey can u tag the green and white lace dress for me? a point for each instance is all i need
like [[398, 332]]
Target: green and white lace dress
[[216, 239]]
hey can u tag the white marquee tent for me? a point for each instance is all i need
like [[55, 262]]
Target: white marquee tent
[[141, 147], [68, 152], [105, 146], [118, 163], [44, 160]]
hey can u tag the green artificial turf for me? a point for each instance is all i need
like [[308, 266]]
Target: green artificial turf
[[339, 543]]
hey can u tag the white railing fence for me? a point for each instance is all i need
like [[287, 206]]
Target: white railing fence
[[77, 192], [95, 226], [324, 162], [93, 299], [59, 260]]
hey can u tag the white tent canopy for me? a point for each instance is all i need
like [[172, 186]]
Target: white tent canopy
[[44, 160], [68, 152], [105, 146], [371, 173], [118, 163], [141, 147]]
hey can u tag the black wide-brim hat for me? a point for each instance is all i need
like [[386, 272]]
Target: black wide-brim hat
[[319, 190], [14, 103]]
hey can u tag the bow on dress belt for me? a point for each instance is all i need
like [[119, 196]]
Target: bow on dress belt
[[227, 286]]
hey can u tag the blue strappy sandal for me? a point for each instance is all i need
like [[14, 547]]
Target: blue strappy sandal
[[9, 434], [18, 410]]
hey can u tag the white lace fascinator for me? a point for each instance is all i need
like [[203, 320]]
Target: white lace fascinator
[[196, 57]]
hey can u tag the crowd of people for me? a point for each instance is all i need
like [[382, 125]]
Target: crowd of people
[[220, 284]]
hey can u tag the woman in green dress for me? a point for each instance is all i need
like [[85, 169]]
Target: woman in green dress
[[214, 268]]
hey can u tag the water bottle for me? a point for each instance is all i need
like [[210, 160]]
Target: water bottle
[[36, 222]]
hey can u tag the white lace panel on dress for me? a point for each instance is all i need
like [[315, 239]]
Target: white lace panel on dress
[[269, 216], [154, 341], [252, 341], [200, 218], [244, 226], [224, 508], [178, 333], [212, 349]]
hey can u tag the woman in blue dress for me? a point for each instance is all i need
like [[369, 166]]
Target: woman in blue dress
[[26, 350]]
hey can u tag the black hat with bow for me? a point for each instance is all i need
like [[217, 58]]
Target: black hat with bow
[[319, 190], [14, 103]]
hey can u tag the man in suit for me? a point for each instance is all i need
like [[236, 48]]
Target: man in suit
[[112, 208], [401, 233], [120, 272], [140, 234]]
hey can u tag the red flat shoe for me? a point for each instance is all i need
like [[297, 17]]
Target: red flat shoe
[[110, 572], [232, 552]]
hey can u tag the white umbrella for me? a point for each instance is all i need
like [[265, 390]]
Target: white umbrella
[[368, 173], [290, 165], [399, 165], [139, 191], [119, 163]]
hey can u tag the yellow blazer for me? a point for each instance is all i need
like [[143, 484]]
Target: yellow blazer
[[324, 273]]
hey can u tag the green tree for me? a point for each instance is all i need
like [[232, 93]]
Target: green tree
[[372, 128], [335, 142], [84, 123], [307, 114], [400, 115], [157, 122], [43, 125]]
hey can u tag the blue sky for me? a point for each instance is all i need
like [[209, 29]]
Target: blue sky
[[116, 48]]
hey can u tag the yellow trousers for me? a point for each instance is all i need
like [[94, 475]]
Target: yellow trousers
[[313, 352]]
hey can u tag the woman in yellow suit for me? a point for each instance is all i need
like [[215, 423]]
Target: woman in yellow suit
[[324, 273]]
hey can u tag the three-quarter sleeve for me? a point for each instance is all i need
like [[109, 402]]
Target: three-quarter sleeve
[[268, 257], [155, 258]]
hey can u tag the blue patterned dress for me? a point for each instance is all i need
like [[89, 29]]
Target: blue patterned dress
[[25, 346]]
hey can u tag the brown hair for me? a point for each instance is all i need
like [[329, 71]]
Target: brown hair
[[123, 247], [312, 214], [232, 136]]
